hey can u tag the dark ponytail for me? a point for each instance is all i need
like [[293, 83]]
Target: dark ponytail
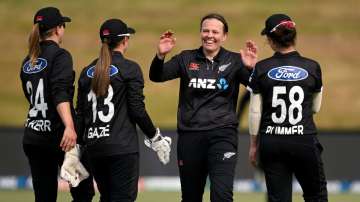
[[100, 82], [284, 36]]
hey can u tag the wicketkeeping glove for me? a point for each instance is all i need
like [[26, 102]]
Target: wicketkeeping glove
[[72, 169], [161, 145]]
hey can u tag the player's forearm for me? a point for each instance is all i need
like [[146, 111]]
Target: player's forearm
[[156, 69], [253, 140], [254, 114], [161, 71], [317, 98], [146, 125], [64, 112]]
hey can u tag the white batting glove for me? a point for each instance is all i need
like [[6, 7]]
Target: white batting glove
[[72, 169], [161, 145]]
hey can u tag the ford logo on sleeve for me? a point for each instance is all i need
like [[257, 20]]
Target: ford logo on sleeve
[[41, 64], [90, 72], [288, 73]]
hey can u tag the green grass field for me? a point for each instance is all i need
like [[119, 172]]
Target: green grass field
[[328, 32], [27, 196]]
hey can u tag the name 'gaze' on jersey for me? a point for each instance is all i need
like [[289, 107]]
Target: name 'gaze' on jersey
[[108, 123]]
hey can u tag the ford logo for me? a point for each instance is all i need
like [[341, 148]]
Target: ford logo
[[90, 72], [288, 73], [40, 64]]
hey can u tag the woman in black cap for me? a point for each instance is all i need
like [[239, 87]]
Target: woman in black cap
[[286, 90], [210, 77], [47, 80], [110, 103]]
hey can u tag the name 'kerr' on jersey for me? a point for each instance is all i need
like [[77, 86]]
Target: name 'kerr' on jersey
[[45, 85], [287, 83]]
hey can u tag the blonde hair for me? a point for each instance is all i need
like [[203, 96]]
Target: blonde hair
[[101, 81], [34, 42]]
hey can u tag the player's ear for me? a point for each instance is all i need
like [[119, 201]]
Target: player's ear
[[125, 41], [271, 43], [57, 30], [224, 37]]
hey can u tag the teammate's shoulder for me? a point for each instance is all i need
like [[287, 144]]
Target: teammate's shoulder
[[88, 68], [131, 62], [264, 62], [310, 61], [127, 64], [264, 66], [127, 67], [61, 52]]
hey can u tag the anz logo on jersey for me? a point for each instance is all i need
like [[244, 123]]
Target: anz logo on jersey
[[221, 84], [91, 71], [41, 64], [288, 73]]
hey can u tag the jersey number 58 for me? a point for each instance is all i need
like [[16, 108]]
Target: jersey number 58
[[295, 104]]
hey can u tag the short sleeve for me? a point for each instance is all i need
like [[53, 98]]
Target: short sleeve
[[318, 79]]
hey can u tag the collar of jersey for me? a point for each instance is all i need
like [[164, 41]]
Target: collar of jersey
[[293, 53], [117, 53], [49, 42], [217, 58]]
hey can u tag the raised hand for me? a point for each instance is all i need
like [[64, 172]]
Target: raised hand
[[166, 44], [249, 55]]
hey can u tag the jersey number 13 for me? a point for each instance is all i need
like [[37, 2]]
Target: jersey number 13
[[107, 101]]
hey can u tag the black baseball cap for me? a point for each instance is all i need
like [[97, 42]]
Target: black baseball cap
[[114, 30], [274, 21], [49, 17]]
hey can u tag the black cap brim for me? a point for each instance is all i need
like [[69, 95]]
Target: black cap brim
[[263, 32], [66, 19], [131, 30]]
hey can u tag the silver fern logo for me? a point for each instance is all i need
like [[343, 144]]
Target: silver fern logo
[[228, 155], [223, 67]]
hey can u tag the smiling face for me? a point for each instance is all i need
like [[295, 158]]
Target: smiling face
[[212, 36]]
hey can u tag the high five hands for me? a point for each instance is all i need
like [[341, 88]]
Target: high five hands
[[249, 55], [166, 44]]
